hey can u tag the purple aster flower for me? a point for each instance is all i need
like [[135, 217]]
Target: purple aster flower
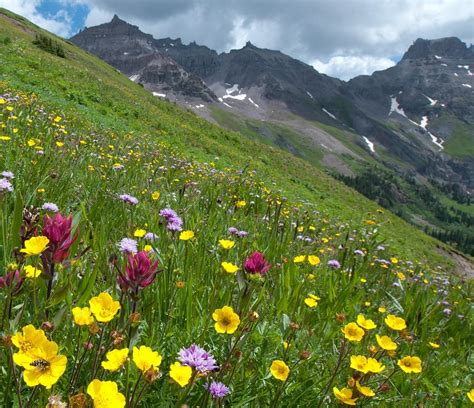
[[127, 198], [7, 174], [242, 234], [198, 358], [334, 264], [5, 185], [359, 252], [232, 230], [149, 236], [168, 213], [128, 245], [174, 222], [447, 311], [380, 248], [218, 390], [50, 207]]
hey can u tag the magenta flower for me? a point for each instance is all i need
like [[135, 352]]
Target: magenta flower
[[12, 280], [58, 230], [139, 272], [218, 390], [198, 358], [256, 263]]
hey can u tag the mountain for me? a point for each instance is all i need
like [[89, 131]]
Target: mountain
[[132, 52], [409, 127]]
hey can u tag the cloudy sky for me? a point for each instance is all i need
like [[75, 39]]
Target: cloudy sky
[[342, 38]]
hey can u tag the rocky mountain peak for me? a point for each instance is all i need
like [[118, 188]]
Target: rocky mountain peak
[[448, 47]]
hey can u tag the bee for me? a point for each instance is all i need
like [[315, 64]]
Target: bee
[[40, 363]]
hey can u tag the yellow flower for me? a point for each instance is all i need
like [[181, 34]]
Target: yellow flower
[[226, 320], [82, 316], [410, 364], [32, 272], [226, 243], [470, 395], [229, 267], [103, 307], [344, 395], [382, 309], [105, 394], [365, 391], [155, 195], [145, 358], [386, 343], [374, 366], [279, 370], [353, 332], [186, 235], [180, 373], [5, 138], [312, 300], [35, 245], [115, 359], [366, 324], [241, 203], [395, 323], [299, 259], [434, 345], [29, 338], [359, 363], [314, 260], [147, 248], [42, 364], [394, 260], [139, 233]]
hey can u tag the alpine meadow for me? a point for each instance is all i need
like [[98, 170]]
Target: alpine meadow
[[150, 258]]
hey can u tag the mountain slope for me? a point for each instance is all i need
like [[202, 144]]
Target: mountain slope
[[107, 98]]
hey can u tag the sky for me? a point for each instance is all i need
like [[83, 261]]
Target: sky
[[342, 38]]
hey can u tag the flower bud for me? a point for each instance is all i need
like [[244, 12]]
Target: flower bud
[[78, 401], [304, 355], [47, 326], [294, 326], [340, 317]]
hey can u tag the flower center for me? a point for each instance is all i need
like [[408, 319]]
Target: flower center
[[41, 364], [226, 321]]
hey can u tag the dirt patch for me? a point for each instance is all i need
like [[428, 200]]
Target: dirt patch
[[464, 266], [16, 23]]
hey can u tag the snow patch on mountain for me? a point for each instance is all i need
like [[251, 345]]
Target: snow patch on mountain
[[160, 95], [467, 85], [134, 78], [432, 101], [369, 144], [395, 107], [309, 94], [329, 114], [253, 103]]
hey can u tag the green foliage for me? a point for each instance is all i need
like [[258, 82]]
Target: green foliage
[[48, 44]]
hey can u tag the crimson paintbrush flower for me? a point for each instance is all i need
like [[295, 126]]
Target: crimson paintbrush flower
[[256, 263], [139, 272], [58, 230]]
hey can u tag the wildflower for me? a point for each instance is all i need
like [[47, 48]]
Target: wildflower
[[353, 332], [50, 207], [128, 199], [128, 245], [105, 394], [145, 358], [149, 236], [374, 366], [218, 390], [232, 230], [180, 373], [256, 263], [410, 364], [359, 363], [470, 395], [386, 343], [139, 233], [12, 280], [115, 359], [359, 252], [381, 309], [140, 271], [395, 323], [344, 395], [226, 320], [314, 260], [279, 370], [32, 272], [82, 316], [241, 203], [54, 401], [35, 245], [242, 234], [434, 345], [28, 338], [312, 300], [103, 307], [226, 243], [155, 195], [42, 364], [186, 235], [366, 324], [299, 259], [365, 391], [174, 222], [334, 264], [5, 185], [7, 174], [229, 267], [58, 230], [197, 358]]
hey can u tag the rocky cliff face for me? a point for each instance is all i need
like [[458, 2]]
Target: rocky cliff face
[[134, 53]]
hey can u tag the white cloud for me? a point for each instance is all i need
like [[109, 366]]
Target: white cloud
[[347, 67], [59, 24]]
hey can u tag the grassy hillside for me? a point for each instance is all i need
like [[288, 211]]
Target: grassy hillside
[[131, 230]]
